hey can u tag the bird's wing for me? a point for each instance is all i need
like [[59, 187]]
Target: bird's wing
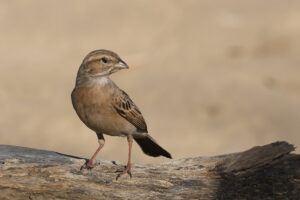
[[127, 109]]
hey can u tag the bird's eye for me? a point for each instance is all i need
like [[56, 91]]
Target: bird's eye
[[104, 60]]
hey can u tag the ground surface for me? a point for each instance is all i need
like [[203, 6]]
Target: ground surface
[[265, 172]]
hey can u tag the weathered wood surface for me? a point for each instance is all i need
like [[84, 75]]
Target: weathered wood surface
[[264, 172]]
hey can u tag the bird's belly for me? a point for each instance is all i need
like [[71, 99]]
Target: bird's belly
[[109, 124]]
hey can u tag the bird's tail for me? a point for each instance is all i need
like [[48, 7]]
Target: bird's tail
[[150, 147]]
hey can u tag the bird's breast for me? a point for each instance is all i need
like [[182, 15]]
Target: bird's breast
[[94, 108]]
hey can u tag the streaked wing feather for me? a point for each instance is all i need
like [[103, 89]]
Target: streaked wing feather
[[128, 110]]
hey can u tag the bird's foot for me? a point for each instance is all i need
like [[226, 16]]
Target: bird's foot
[[126, 170], [88, 166]]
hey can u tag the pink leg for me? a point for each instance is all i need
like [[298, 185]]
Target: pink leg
[[90, 164], [128, 166]]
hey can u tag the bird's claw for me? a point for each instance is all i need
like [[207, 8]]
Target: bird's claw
[[121, 170], [126, 170], [88, 166]]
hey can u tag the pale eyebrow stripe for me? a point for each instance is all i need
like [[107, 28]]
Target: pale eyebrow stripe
[[92, 58]]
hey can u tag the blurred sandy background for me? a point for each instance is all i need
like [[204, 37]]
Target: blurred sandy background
[[211, 77]]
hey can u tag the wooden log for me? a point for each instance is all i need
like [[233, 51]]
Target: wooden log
[[264, 172]]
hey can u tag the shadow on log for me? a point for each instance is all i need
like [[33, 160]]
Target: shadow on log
[[264, 172]]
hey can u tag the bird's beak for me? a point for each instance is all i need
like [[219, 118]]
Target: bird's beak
[[121, 65]]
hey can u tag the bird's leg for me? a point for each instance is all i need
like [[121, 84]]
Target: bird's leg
[[90, 164], [128, 166]]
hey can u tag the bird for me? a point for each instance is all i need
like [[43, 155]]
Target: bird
[[108, 110]]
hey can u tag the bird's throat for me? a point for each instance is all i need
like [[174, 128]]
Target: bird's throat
[[92, 81], [103, 80]]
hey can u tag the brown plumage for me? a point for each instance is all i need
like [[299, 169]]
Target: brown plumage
[[127, 109], [106, 109]]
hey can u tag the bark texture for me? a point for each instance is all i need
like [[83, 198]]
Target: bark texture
[[263, 172]]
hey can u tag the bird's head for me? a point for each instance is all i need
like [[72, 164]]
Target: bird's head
[[101, 63]]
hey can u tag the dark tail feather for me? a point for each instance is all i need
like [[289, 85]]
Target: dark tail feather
[[151, 148]]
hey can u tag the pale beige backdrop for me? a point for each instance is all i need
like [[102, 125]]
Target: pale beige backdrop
[[211, 77]]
